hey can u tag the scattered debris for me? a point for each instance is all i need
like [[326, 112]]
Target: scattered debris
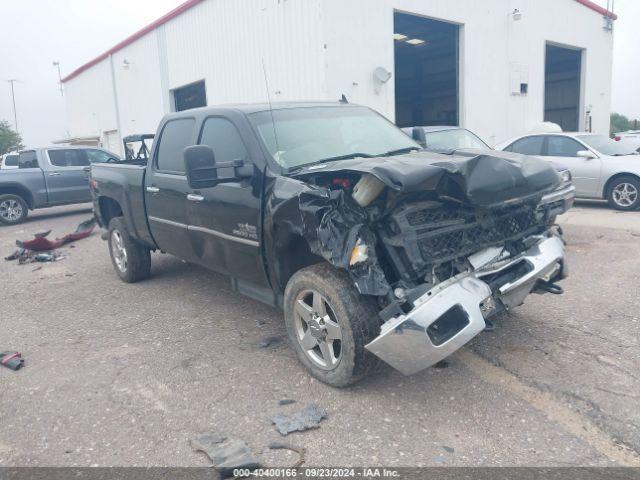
[[448, 449], [286, 401], [226, 453], [259, 323], [12, 360], [28, 256], [270, 341], [308, 418], [439, 459], [286, 446], [41, 243]]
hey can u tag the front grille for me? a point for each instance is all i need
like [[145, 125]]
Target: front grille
[[428, 233]]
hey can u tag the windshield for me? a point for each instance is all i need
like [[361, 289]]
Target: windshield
[[316, 134], [453, 140], [607, 146]]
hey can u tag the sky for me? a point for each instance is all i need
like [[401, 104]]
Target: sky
[[73, 32]]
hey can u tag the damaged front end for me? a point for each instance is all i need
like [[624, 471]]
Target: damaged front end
[[443, 243]]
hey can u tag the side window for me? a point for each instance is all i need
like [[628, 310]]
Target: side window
[[98, 156], [223, 137], [563, 147], [11, 160], [176, 136], [528, 146], [68, 158], [28, 159]]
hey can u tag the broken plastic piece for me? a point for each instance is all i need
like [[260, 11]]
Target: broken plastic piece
[[12, 360], [226, 453], [309, 417], [358, 254], [42, 244]]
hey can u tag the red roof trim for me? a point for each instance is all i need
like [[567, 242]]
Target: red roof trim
[[129, 40], [597, 8]]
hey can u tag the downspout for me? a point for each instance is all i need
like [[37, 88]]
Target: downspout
[[115, 101]]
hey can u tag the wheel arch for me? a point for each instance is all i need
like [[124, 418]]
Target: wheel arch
[[20, 191], [109, 209]]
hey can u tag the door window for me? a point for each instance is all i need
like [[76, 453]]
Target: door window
[[223, 137], [98, 156], [68, 158], [563, 147], [28, 159], [528, 146], [176, 136]]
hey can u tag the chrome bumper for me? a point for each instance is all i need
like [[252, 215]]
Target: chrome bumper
[[566, 195], [452, 313]]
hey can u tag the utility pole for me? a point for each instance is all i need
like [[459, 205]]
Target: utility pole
[[57, 64], [13, 99]]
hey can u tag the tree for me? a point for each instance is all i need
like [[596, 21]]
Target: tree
[[620, 123], [10, 140]]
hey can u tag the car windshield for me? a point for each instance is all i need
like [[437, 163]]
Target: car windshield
[[449, 140], [607, 146], [302, 136]]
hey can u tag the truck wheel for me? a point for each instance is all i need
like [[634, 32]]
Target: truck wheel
[[624, 193], [329, 322], [131, 260], [13, 209]]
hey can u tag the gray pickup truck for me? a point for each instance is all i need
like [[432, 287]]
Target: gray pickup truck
[[47, 177]]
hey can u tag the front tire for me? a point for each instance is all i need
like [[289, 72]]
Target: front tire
[[13, 209], [131, 261], [624, 193], [329, 323]]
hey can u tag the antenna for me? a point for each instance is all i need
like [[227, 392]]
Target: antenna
[[273, 122]]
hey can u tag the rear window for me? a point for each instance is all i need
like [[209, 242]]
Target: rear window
[[11, 160], [68, 158], [28, 159], [176, 136]]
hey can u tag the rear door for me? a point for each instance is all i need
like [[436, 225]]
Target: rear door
[[224, 221], [166, 188], [67, 175], [585, 171]]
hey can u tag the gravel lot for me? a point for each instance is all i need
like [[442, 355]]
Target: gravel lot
[[125, 375]]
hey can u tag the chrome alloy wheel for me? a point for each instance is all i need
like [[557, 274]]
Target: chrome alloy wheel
[[317, 329], [118, 251], [10, 210], [625, 194]]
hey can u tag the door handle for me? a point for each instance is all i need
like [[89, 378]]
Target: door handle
[[153, 189], [195, 198], [54, 174]]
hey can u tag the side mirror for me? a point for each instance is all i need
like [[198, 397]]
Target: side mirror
[[419, 136], [586, 154], [202, 169]]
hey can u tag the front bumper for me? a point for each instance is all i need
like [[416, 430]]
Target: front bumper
[[452, 313]]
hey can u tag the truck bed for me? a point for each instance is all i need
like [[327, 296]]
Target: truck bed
[[124, 184]]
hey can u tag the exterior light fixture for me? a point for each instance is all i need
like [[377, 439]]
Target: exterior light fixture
[[517, 15], [400, 37], [416, 41]]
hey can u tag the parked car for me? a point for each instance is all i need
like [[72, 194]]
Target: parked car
[[451, 140], [47, 177], [631, 137], [9, 161], [374, 248], [601, 167]]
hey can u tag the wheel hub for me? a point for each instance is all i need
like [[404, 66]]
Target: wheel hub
[[317, 330], [625, 194], [10, 210]]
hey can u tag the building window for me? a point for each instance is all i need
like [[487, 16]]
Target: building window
[[190, 96]]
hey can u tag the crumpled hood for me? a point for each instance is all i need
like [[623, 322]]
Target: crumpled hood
[[481, 178]]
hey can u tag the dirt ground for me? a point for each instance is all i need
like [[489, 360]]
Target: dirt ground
[[124, 375]]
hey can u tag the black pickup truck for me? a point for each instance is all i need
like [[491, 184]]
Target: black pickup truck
[[373, 248]]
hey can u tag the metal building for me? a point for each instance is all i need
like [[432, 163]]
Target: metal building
[[497, 67]]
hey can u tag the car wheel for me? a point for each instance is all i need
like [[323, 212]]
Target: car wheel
[[329, 323], [13, 209], [624, 193], [131, 260]]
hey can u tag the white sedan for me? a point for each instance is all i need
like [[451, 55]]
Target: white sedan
[[601, 167]]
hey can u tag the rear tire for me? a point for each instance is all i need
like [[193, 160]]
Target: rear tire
[[13, 209], [624, 193], [131, 261], [329, 323]]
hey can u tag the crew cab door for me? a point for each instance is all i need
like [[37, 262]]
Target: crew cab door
[[166, 189], [224, 221], [67, 176]]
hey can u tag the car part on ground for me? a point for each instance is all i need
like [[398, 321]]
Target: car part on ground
[[309, 417], [42, 244], [12, 360], [226, 453]]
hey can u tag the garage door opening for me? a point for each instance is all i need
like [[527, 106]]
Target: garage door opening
[[426, 71], [190, 96], [562, 85]]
